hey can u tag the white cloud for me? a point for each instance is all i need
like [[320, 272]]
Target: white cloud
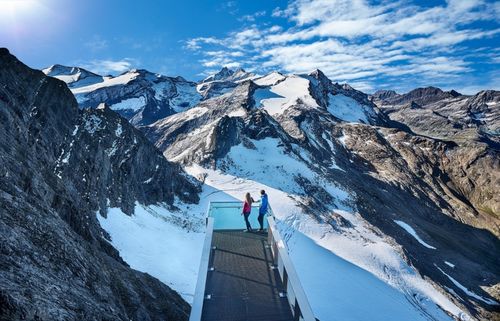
[[252, 17], [107, 66], [361, 42]]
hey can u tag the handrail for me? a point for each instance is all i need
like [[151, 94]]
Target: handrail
[[295, 293], [199, 294]]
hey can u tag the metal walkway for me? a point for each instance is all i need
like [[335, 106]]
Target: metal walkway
[[246, 276], [244, 284]]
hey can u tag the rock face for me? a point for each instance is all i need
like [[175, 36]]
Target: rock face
[[446, 191], [59, 166], [471, 125]]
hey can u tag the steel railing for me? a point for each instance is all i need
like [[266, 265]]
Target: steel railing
[[199, 294], [295, 294]]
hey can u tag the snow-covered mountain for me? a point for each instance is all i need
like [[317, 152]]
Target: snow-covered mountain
[[385, 219], [391, 202], [138, 95], [74, 76], [226, 74], [141, 96]]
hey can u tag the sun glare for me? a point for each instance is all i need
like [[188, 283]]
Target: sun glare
[[18, 17], [14, 7]]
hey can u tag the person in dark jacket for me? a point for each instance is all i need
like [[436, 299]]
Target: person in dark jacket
[[264, 205], [247, 209]]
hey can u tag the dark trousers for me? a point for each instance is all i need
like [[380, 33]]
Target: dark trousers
[[246, 215], [260, 218]]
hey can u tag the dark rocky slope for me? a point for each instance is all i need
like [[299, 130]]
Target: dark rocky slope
[[58, 166]]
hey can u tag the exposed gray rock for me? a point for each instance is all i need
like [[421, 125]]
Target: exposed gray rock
[[448, 115], [58, 166], [384, 94], [223, 82]]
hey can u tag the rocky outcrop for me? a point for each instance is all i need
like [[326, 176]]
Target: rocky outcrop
[[59, 166], [384, 94], [322, 88]]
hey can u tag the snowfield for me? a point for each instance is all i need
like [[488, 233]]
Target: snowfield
[[347, 109], [276, 98], [163, 242], [151, 241], [134, 104], [108, 82]]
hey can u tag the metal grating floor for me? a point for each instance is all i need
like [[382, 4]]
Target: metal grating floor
[[243, 286]]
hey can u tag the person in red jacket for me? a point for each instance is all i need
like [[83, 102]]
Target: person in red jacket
[[247, 209]]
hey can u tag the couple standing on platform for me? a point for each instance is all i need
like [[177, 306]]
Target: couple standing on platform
[[247, 209]]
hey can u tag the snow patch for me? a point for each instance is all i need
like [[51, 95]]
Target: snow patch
[[134, 103], [75, 130], [108, 82], [152, 240], [187, 97], [347, 109], [270, 79], [449, 264], [410, 230], [92, 123], [119, 130], [277, 98], [467, 291]]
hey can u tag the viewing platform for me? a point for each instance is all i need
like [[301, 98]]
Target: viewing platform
[[246, 275]]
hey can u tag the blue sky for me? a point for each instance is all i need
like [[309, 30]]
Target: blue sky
[[369, 44]]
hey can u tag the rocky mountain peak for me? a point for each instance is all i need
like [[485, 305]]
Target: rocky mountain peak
[[226, 74], [320, 79], [422, 96], [73, 76], [384, 94]]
